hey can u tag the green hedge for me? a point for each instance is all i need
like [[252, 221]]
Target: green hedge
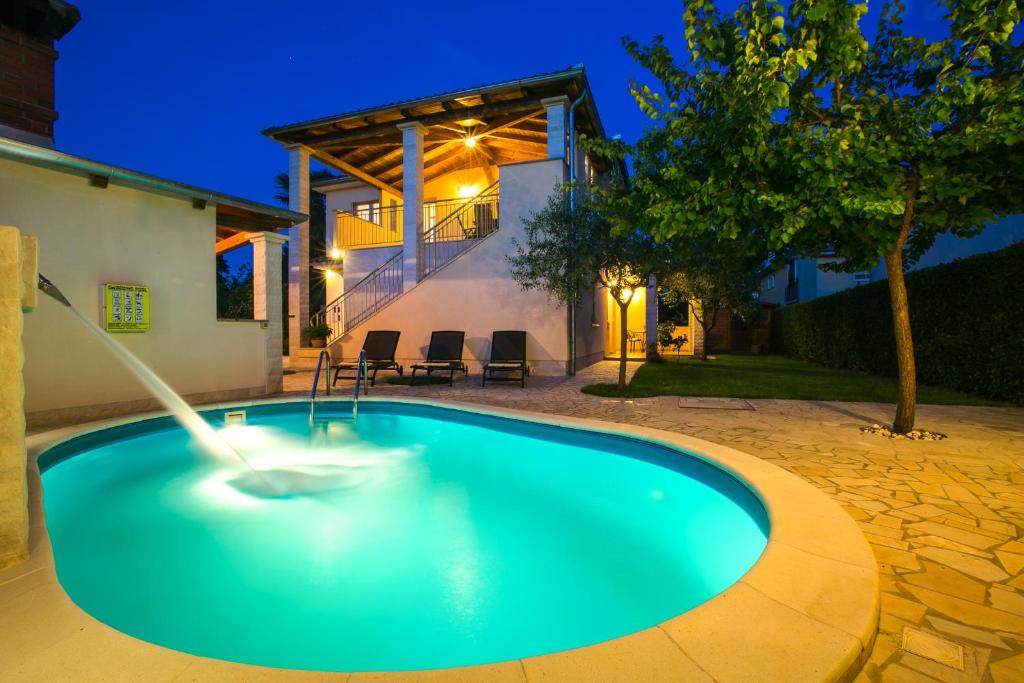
[[967, 319]]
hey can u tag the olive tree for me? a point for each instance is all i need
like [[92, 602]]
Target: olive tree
[[571, 245]]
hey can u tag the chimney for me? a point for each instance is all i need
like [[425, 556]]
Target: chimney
[[28, 29]]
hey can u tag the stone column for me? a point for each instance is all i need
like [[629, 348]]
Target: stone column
[[557, 108], [266, 300], [412, 203], [298, 246], [651, 317], [18, 275]]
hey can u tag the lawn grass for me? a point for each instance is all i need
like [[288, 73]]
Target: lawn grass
[[771, 377]]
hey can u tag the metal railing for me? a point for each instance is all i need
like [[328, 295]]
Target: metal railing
[[361, 370], [380, 287], [380, 227], [460, 225]]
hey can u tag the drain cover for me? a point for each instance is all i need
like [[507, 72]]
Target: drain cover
[[934, 648]]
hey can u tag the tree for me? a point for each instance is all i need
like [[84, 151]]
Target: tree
[[712, 275], [568, 248], [801, 128]]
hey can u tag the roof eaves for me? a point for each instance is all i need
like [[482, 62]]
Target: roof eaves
[[68, 163], [576, 71]]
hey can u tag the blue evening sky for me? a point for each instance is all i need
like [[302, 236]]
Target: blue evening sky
[[181, 89]]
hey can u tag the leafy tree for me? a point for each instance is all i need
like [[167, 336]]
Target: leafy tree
[[713, 275], [791, 122], [568, 248]]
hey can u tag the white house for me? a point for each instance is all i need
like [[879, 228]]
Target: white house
[[803, 279], [431, 203]]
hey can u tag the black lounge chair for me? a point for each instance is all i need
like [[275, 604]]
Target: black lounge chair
[[508, 356], [443, 355], [379, 346]]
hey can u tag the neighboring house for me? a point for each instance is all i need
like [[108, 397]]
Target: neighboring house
[[98, 224], [432, 202], [803, 279]]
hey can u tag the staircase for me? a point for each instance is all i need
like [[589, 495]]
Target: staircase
[[452, 235]]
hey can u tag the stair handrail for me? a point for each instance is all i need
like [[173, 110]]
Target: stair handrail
[[485, 194], [339, 301]]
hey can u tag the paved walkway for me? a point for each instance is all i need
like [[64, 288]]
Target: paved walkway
[[944, 518]]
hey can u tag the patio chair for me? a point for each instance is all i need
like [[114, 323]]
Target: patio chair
[[379, 346], [443, 355], [508, 356]]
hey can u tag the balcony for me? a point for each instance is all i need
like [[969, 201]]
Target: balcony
[[444, 221], [381, 227]]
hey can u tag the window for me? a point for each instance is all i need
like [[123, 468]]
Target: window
[[368, 211], [861, 277], [771, 281]]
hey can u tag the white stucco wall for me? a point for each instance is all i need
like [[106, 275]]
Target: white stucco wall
[[89, 236], [476, 292]]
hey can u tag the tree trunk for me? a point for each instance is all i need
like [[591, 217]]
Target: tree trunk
[[906, 399], [704, 345], [623, 339]]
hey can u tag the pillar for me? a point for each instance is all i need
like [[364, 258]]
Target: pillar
[[298, 246], [266, 300], [18, 276], [651, 317], [556, 109], [412, 203]]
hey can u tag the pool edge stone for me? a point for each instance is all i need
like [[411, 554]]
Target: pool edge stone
[[802, 518]]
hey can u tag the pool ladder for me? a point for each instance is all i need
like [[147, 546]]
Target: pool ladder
[[360, 382]]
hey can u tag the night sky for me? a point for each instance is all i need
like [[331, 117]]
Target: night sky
[[181, 89]]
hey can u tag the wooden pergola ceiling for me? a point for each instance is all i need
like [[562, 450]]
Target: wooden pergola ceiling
[[506, 123]]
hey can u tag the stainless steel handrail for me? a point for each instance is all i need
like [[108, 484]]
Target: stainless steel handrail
[[316, 380]]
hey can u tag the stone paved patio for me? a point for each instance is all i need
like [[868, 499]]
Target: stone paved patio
[[944, 518]]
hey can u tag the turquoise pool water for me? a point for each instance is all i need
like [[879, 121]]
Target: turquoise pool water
[[420, 537]]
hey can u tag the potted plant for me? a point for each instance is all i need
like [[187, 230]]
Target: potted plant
[[318, 334]]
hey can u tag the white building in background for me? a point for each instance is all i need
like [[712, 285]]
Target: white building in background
[[803, 279]]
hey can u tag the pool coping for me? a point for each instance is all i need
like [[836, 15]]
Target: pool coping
[[807, 610]]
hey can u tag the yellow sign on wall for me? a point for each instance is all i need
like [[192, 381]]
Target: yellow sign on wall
[[127, 308]]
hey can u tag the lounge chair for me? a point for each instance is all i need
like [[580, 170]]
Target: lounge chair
[[379, 346], [443, 355], [508, 356]]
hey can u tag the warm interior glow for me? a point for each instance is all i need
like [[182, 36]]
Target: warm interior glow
[[470, 141], [466, 191], [335, 253]]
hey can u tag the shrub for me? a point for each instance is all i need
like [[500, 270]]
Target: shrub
[[967, 319]]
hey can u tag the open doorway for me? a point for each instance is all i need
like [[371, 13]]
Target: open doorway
[[636, 326]]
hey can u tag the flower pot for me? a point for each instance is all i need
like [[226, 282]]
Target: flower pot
[[318, 342]]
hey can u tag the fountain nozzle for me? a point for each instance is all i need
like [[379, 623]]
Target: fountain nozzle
[[48, 287]]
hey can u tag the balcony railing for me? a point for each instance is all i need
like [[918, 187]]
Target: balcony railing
[[460, 224], [381, 227]]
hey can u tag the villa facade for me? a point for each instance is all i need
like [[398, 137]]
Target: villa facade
[[430, 204]]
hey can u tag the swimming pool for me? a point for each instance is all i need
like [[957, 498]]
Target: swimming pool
[[418, 537]]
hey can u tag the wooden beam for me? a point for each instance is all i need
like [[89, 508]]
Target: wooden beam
[[511, 124], [353, 171], [232, 242], [516, 136]]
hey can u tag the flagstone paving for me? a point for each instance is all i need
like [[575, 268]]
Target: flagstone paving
[[945, 519]]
